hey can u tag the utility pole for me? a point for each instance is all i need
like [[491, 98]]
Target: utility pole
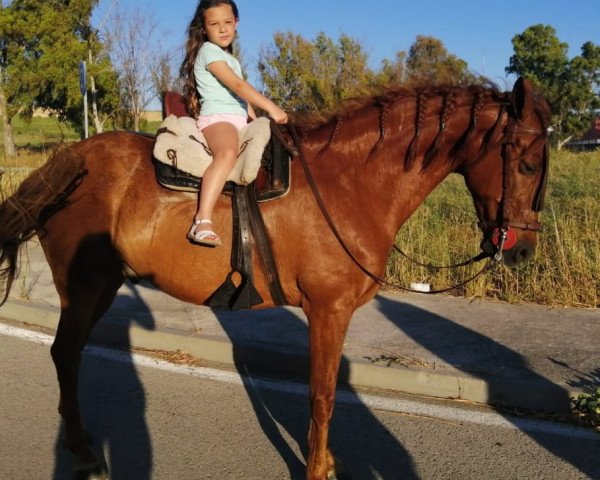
[[83, 89]]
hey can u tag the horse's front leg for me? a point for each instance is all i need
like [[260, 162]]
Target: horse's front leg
[[327, 327]]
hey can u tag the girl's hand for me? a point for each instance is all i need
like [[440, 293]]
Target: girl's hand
[[278, 115]]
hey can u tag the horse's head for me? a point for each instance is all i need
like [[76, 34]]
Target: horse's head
[[508, 183]]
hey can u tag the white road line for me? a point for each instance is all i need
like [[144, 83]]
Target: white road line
[[453, 414]]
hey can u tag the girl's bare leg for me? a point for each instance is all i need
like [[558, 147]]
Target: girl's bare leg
[[222, 139]]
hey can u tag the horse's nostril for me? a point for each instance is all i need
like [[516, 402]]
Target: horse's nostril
[[524, 254]]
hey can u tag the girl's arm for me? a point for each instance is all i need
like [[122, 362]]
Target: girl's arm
[[243, 89]]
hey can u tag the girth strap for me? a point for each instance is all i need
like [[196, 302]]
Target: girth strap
[[263, 244], [247, 222]]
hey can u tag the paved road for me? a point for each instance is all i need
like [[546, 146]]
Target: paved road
[[161, 422]]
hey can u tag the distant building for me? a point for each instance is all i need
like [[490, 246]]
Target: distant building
[[590, 140]]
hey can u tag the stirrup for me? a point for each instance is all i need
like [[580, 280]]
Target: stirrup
[[203, 237]]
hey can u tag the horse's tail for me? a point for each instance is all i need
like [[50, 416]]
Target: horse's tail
[[24, 213]]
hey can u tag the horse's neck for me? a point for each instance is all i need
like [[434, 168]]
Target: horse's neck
[[369, 202], [367, 185], [377, 191]]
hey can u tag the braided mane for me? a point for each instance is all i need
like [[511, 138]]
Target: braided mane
[[475, 96]]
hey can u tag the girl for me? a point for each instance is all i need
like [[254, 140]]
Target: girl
[[221, 100]]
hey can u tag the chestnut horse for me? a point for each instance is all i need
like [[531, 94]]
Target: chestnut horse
[[373, 163]]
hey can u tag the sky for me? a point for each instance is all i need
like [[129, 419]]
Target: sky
[[478, 32]]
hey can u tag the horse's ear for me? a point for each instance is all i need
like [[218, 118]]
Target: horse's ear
[[522, 92]]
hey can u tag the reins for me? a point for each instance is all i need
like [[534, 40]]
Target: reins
[[328, 219], [477, 258]]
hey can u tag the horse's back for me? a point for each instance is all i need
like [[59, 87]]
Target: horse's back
[[116, 152]]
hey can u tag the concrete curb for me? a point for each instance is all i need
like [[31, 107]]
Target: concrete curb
[[527, 393]]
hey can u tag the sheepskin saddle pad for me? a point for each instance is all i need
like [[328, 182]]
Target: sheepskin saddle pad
[[180, 146]]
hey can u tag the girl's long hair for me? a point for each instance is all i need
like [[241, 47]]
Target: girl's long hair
[[195, 40]]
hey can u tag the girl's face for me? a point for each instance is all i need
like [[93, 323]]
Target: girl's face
[[220, 25]]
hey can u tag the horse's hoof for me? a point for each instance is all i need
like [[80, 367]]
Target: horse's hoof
[[88, 467], [99, 476], [91, 472], [338, 472]]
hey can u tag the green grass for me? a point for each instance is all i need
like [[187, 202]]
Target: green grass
[[150, 127], [37, 133], [586, 409], [41, 133], [35, 139], [565, 270]]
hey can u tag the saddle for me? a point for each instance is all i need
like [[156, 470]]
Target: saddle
[[271, 181]]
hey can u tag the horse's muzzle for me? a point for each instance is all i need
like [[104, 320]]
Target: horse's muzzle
[[523, 250]]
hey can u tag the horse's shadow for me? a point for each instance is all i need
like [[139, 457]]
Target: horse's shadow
[[113, 406], [433, 331], [366, 449]]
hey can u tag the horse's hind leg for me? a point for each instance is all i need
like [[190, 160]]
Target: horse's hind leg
[[84, 298]]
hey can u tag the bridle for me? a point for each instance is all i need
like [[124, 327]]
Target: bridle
[[503, 224]]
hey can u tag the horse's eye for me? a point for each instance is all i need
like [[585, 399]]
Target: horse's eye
[[527, 168]]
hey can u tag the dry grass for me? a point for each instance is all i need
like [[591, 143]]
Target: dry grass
[[15, 171], [566, 269]]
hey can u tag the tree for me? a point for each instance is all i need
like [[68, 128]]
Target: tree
[[428, 61], [15, 69], [393, 71], [135, 54], [103, 81], [582, 90], [315, 75], [165, 77], [286, 69], [9, 144], [571, 87], [43, 43]]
